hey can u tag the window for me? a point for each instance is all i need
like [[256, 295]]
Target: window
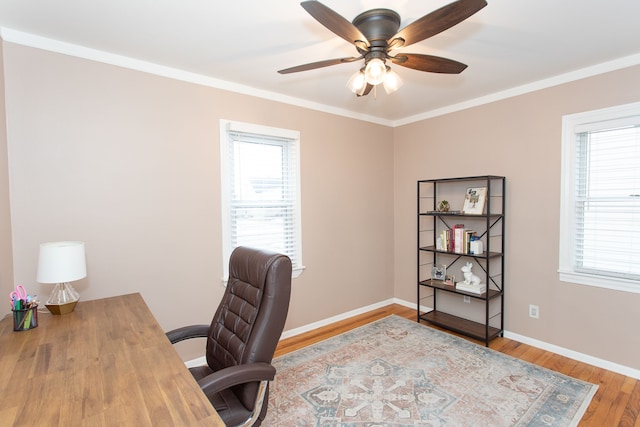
[[260, 190], [600, 208]]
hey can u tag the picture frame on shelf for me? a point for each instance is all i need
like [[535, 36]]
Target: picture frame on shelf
[[439, 272], [474, 200], [450, 280]]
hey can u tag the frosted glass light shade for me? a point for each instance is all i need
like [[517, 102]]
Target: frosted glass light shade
[[375, 71], [357, 83], [392, 81]]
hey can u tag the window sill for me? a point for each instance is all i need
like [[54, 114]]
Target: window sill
[[600, 281], [297, 271]]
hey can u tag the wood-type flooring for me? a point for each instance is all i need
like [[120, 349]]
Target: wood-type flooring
[[616, 403]]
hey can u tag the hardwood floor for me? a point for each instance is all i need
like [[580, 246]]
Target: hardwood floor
[[616, 403]]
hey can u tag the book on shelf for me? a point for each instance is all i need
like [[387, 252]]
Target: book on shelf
[[444, 213], [474, 289], [456, 239]]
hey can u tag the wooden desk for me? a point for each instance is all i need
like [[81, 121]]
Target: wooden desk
[[108, 363]]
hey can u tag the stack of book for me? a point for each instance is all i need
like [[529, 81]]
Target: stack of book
[[457, 239], [474, 289]]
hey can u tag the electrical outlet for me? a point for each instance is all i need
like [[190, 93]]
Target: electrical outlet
[[467, 299], [534, 311]]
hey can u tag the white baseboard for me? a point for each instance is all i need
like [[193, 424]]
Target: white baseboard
[[580, 357], [310, 327], [423, 308]]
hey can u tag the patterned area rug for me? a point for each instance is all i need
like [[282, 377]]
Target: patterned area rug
[[395, 372]]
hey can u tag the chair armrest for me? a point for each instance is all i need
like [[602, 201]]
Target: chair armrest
[[234, 375], [188, 332]]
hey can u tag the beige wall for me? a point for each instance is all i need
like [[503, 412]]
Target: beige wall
[[6, 258], [520, 138], [129, 163]]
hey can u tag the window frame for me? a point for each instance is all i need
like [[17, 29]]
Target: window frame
[[293, 147], [567, 260]]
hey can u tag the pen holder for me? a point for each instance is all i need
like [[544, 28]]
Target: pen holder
[[25, 319]]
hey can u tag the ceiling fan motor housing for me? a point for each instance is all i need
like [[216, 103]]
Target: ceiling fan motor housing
[[378, 26]]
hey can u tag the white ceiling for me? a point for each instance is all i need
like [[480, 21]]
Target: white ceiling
[[509, 46]]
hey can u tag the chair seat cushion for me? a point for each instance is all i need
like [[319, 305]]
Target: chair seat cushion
[[229, 407]]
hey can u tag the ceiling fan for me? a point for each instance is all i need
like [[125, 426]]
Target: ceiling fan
[[375, 34]]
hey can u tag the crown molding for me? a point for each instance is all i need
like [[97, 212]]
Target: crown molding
[[78, 51], [605, 67], [44, 43]]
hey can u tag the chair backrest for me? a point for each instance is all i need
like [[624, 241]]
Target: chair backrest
[[248, 323]]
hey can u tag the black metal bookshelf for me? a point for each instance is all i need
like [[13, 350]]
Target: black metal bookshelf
[[489, 227]]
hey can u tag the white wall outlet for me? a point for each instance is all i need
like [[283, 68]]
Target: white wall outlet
[[467, 299], [534, 311]]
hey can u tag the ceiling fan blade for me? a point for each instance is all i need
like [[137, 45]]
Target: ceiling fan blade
[[334, 22], [319, 64], [429, 63], [438, 21]]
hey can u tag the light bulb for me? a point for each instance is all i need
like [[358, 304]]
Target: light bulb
[[392, 81], [375, 71], [357, 83]]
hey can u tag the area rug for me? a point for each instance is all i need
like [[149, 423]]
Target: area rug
[[395, 372]]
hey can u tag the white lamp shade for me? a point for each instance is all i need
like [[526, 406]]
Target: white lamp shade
[[61, 262]]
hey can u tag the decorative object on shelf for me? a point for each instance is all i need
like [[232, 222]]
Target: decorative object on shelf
[[443, 206], [450, 280], [439, 271], [471, 282], [475, 246], [61, 263], [474, 200]]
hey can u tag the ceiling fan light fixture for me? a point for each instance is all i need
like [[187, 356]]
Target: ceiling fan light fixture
[[392, 81], [376, 32], [357, 83], [375, 71]]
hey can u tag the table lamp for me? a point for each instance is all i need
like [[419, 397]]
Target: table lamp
[[61, 263]]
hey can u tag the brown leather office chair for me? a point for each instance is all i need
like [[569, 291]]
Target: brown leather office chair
[[243, 336]]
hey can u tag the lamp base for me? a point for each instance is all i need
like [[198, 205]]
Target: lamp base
[[63, 299], [61, 308]]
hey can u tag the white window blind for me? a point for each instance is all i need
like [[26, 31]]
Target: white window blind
[[608, 202], [602, 200], [261, 190]]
